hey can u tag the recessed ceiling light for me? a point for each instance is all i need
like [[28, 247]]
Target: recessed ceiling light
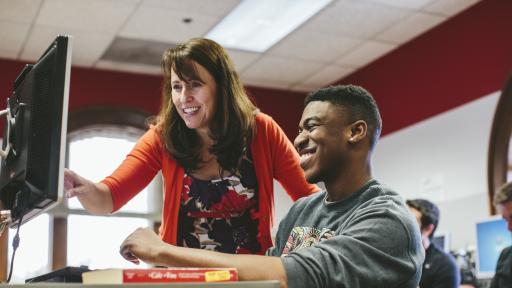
[[256, 25]]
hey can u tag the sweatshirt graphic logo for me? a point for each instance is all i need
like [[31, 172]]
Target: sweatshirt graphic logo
[[302, 237]]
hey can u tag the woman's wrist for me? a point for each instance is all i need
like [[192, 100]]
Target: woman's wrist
[[164, 255]]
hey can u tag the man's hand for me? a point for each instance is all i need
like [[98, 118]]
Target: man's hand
[[144, 245]]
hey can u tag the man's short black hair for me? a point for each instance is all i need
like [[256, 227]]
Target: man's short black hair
[[429, 213], [357, 103]]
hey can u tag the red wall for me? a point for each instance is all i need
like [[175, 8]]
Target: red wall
[[92, 87], [461, 60], [107, 88], [465, 58]]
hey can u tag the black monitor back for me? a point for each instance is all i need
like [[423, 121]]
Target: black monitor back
[[31, 176]]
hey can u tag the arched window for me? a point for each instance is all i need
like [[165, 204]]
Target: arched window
[[94, 152], [98, 141]]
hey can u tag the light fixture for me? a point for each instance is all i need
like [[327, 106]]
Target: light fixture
[[256, 25]]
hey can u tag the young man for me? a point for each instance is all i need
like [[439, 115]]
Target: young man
[[357, 233], [439, 269], [503, 202]]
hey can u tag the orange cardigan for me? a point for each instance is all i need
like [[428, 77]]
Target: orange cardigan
[[273, 154]]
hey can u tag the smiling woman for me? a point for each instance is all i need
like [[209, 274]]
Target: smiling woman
[[194, 98]]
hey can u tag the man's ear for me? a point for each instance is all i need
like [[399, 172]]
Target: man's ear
[[358, 131], [428, 230]]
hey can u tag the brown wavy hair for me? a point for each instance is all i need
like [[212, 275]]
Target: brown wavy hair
[[232, 125]]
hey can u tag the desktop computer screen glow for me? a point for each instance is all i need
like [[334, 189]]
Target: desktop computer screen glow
[[492, 237]]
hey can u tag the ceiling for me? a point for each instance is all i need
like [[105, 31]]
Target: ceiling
[[130, 35]]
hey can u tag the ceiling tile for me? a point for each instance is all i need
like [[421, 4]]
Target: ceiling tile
[[303, 88], [265, 83], [345, 36], [411, 27], [325, 76], [128, 67], [407, 4], [280, 70], [353, 18], [449, 7], [22, 11], [242, 59], [136, 51], [366, 53], [313, 46], [87, 46], [13, 36], [8, 54], [209, 7], [159, 24], [90, 15]]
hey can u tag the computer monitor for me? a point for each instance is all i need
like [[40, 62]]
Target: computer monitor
[[492, 236], [443, 241], [34, 141]]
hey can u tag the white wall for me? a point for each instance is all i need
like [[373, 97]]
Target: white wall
[[283, 203], [443, 159]]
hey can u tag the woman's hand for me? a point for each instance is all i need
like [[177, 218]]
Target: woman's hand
[[75, 185], [142, 245], [95, 197]]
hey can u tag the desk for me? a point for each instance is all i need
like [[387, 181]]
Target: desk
[[238, 284]]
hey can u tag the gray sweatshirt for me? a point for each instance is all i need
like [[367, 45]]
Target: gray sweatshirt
[[367, 240]]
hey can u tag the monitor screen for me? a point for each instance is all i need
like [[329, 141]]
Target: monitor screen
[[34, 139], [442, 240], [492, 236]]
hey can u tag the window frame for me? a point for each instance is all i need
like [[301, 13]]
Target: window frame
[[78, 120], [499, 143]]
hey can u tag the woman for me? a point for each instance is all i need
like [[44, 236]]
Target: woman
[[218, 157]]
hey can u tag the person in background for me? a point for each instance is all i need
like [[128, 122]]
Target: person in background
[[218, 156], [440, 269], [357, 233], [503, 203]]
